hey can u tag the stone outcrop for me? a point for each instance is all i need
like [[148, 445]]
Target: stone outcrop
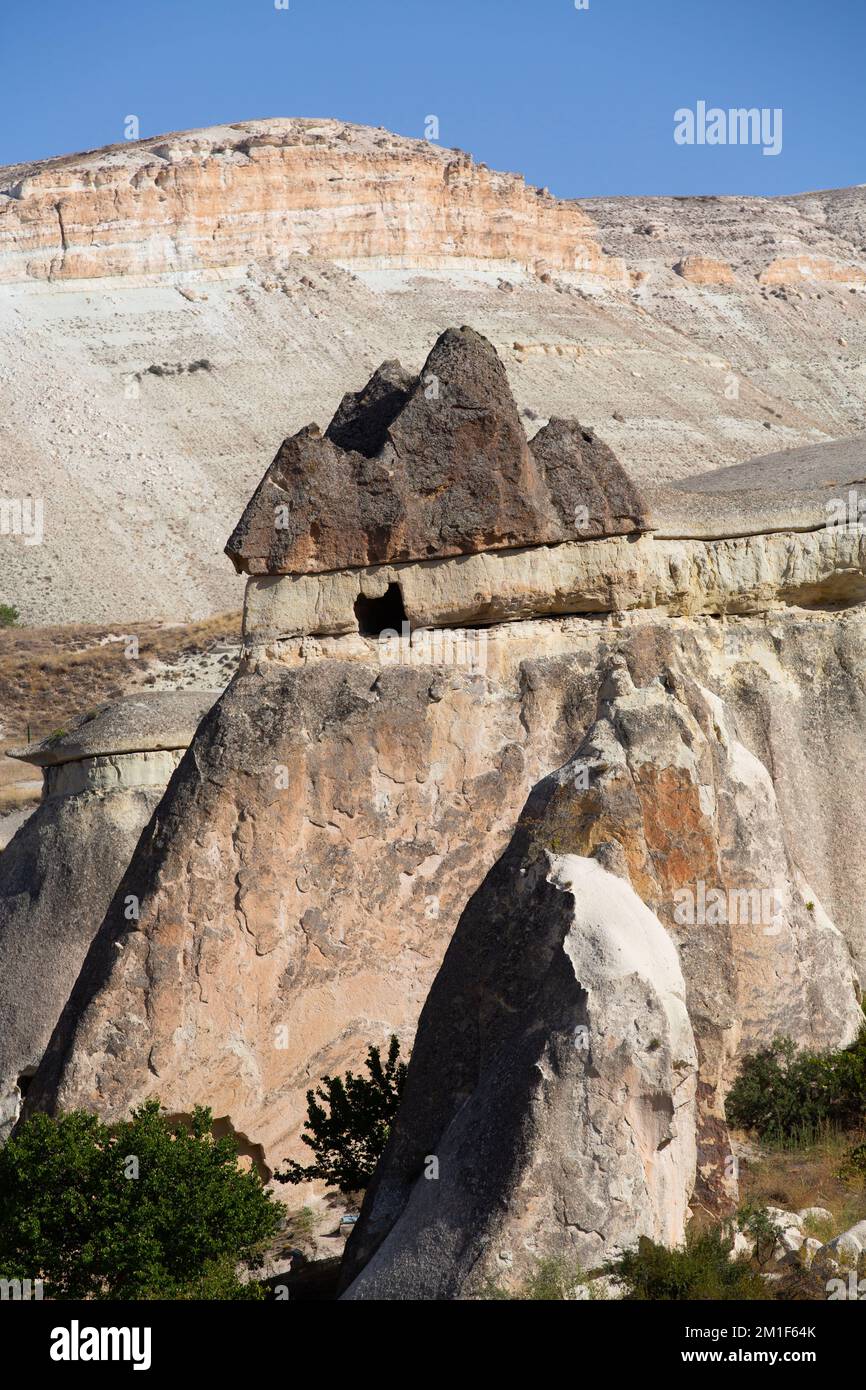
[[822, 270], [298, 889], [102, 780], [312, 857], [354, 530], [204, 199], [704, 270], [664, 837], [433, 467], [550, 1103], [687, 577], [273, 265]]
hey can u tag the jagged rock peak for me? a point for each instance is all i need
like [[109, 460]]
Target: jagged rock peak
[[415, 468]]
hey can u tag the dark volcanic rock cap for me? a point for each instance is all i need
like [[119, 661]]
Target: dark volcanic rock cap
[[415, 468]]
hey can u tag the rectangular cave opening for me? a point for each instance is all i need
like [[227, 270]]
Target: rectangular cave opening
[[378, 615]]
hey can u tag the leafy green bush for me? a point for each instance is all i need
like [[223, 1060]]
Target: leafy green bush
[[144, 1209], [700, 1269], [8, 615], [348, 1137], [784, 1094]]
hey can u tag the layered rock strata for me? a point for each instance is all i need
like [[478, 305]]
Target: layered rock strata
[[213, 198], [355, 530]]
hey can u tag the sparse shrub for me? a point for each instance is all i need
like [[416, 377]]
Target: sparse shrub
[[8, 615], [754, 1221], [554, 1280], [700, 1269], [853, 1167], [73, 1212], [301, 1226], [348, 1131], [784, 1094]]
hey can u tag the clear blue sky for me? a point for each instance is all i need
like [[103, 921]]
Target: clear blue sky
[[582, 101]]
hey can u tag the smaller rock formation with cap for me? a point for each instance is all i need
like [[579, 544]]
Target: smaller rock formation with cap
[[359, 527], [103, 778]]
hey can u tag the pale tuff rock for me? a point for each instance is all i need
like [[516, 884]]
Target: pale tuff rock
[[704, 270], [312, 855], [818, 1214], [212, 198], [433, 466], [752, 574], [846, 1249], [552, 1084], [343, 800], [103, 779], [695, 816], [662, 794]]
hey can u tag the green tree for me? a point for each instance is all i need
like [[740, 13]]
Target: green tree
[[8, 615], [349, 1135], [147, 1208]]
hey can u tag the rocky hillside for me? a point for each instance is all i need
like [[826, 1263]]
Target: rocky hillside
[[171, 309]]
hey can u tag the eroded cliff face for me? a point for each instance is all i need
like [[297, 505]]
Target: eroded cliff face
[[228, 195], [648, 924], [671, 888], [317, 846]]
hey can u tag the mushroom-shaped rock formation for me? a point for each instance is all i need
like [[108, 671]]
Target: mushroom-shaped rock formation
[[103, 777], [428, 467]]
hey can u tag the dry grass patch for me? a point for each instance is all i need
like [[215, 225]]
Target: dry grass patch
[[48, 675], [807, 1176], [15, 794]]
